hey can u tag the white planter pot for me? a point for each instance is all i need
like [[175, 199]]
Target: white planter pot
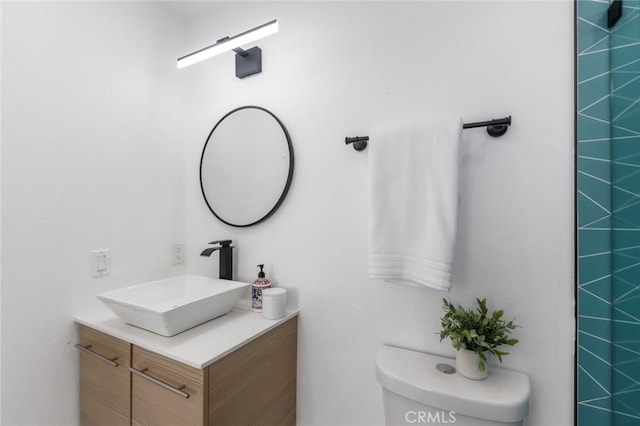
[[467, 365]]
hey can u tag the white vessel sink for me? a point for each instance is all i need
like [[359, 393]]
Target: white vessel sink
[[173, 305]]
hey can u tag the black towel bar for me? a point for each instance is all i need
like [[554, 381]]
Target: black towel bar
[[495, 128]]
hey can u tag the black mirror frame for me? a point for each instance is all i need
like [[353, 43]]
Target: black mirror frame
[[289, 176]]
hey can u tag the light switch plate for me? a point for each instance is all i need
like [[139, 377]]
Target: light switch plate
[[100, 262]]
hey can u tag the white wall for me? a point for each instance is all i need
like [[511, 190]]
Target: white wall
[[93, 157], [337, 69], [101, 139]]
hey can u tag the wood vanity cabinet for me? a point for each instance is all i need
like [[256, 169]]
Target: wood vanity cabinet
[[105, 381], [154, 403], [256, 384], [253, 385]]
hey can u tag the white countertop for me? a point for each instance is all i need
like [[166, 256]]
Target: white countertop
[[197, 347]]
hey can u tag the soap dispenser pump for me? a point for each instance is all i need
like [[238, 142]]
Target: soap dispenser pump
[[256, 290]]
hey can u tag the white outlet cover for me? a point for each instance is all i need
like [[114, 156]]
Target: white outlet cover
[[177, 253]]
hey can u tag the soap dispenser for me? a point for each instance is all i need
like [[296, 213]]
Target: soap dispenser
[[256, 290]]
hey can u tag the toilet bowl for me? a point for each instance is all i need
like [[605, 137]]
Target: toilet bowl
[[416, 392]]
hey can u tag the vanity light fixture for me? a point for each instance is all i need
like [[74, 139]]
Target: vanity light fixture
[[248, 62]]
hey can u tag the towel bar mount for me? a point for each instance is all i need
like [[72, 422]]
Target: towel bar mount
[[495, 128]]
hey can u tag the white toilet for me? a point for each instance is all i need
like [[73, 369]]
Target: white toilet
[[415, 392]]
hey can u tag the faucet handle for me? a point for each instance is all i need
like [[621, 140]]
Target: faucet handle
[[223, 243]]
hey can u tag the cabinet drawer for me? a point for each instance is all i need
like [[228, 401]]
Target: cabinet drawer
[[104, 379], [165, 392]]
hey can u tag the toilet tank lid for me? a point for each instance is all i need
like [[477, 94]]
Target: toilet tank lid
[[502, 397]]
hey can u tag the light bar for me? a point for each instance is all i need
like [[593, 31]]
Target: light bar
[[229, 43]]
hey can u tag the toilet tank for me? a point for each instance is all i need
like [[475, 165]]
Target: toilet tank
[[416, 392]]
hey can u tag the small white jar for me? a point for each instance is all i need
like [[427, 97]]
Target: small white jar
[[274, 303]]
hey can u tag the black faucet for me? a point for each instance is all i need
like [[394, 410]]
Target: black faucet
[[226, 257]]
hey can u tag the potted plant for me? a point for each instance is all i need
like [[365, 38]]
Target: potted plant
[[474, 333]]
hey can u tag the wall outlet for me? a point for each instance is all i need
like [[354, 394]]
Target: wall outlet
[[177, 253]]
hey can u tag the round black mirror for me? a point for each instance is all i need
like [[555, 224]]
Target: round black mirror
[[246, 166]]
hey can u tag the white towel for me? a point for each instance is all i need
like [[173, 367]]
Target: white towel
[[413, 177]]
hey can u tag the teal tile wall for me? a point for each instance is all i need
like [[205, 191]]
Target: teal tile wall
[[608, 207], [625, 133], [594, 204]]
